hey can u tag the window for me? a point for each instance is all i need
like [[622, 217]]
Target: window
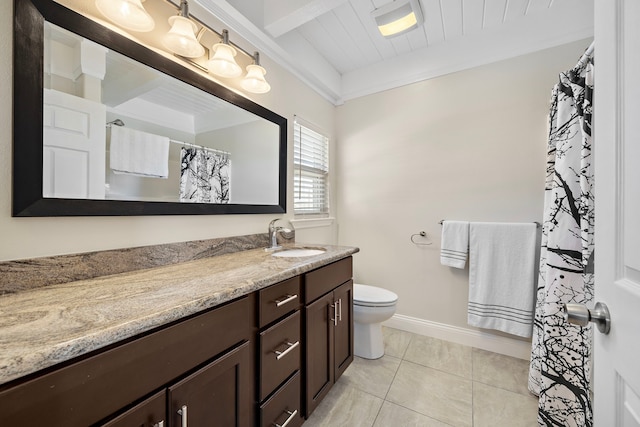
[[310, 171]]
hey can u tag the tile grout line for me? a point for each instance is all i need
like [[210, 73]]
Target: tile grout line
[[398, 368]]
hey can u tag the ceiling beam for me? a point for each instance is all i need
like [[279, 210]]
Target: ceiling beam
[[282, 16]]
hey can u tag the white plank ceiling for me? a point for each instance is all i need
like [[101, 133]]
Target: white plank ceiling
[[335, 47]]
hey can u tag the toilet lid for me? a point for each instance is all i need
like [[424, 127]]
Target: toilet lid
[[373, 296]]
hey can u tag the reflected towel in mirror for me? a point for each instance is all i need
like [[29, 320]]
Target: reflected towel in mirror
[[138, 153]]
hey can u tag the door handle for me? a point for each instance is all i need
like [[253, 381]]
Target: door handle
[[183, 415], [579, 314], [335, 313]]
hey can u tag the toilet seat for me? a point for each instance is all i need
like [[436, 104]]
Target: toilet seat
[[372, 296]]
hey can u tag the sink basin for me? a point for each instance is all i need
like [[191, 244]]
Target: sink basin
[[297, 252]]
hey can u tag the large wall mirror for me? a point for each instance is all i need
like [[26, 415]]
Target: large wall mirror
[[106, 126]]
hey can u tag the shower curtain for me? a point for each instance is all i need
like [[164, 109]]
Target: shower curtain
[[560, 370], [204, 176]]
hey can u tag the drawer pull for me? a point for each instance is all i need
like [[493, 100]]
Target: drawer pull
[[183, 415], [287, 298], [291, 416], [281, 354]]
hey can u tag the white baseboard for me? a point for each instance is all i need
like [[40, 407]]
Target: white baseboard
[[495, 343]]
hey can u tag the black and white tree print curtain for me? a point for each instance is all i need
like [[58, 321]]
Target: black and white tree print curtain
[[560, 371], [204, 176]]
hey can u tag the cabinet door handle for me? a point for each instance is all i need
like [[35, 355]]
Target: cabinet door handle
[[335, 314], [291, 416], [281, 354], [340, 309], [183, 415], [285, 299]]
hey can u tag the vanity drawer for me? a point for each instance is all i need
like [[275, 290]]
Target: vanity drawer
[[325, 279], [279, 353], [283, 406], [278, 300]]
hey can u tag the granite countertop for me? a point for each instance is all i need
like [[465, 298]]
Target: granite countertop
[[45, 326]]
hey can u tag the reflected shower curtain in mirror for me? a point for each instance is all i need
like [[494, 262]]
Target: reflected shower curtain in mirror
[[560, 371], [204, 176]]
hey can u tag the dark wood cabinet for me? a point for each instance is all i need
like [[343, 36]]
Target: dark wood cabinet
[[151, 412], [102, 386], [267, 358], [280, 355], [343, 341], [283, 407], [217, 395], [328, 330], [319, 366]]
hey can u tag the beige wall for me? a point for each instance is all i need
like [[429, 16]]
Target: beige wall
[[33, 237], [467, 146]]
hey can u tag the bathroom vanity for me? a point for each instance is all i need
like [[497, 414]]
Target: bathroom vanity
[[242, 339]]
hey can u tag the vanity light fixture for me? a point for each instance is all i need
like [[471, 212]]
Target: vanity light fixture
[[254, 81], [181, 38], [129, 14], [222, 63], [398, 17]]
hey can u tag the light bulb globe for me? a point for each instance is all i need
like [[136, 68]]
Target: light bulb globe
[[129, 14], [181, 38], [223, 63]]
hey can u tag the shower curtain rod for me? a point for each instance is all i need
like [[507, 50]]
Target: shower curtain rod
[[120, 123], [535, 222], [200, 147]]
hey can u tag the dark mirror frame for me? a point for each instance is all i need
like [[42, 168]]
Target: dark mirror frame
[[28, 73]]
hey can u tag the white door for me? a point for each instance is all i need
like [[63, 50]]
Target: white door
[[617, 196], [74, 147]]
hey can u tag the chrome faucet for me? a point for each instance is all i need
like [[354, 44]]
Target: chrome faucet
[[273, 235]]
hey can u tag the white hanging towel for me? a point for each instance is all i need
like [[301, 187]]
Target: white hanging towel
[[502, 276], [455, 243], [139, 153]]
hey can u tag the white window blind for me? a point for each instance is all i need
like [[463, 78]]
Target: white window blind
[[311, 172]]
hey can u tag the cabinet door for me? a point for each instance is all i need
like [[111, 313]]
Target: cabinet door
[[343, 297], [150, 413], [319, 338], [217, 395]]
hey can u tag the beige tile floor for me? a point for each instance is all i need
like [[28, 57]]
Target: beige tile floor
[[423, 381]]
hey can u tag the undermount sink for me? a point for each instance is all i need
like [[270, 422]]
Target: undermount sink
[[297, 252]]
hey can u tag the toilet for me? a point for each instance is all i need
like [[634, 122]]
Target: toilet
[[371, 307]]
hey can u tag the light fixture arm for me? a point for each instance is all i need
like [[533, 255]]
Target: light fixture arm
[[183, 10], [256, 58], [224, 37]]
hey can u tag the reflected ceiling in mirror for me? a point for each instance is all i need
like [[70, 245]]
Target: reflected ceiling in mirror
[[187, 144]]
